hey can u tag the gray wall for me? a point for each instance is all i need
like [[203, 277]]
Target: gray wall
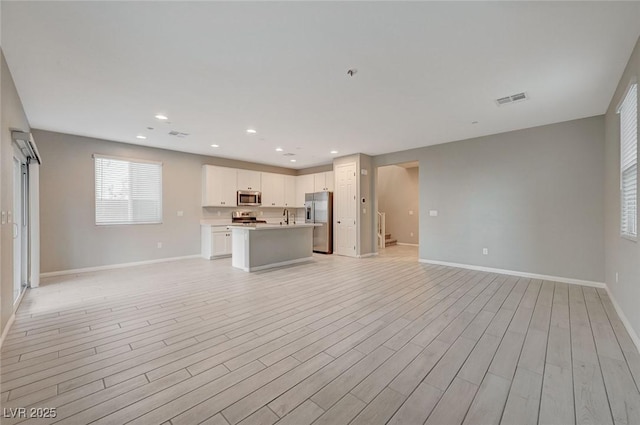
[[533, 197], [69, 237], [621, 255], [397, 191], [13, 118]]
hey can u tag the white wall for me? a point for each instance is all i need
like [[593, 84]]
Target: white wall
[[622, 256], [13, 118]]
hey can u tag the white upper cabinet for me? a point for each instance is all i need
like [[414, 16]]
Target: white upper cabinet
[[323, 182], [329, 181], [304, 185], [273, 190], [249, 180], [290, 191], [218, 186]]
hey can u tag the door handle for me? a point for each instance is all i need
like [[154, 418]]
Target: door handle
[[338, 221]]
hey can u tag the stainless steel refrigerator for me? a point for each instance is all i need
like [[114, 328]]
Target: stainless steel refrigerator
[[319, 209]]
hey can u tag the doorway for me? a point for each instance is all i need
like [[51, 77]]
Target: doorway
[[398, 201], [20, 224]]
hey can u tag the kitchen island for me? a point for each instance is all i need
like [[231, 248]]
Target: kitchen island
[[263, 246]]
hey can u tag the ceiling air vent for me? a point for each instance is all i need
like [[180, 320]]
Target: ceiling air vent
[[518, 97], [288, 154], [178, 133]]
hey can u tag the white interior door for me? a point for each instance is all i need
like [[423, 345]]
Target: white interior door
[[346, 207]]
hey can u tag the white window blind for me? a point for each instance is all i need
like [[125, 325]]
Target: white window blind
[[128, 191], [629, 163]]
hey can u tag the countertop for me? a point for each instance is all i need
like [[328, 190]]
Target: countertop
[[267, 226], [227, 222]]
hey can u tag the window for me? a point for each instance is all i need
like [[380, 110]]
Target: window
[[128, 191], [629, 163]]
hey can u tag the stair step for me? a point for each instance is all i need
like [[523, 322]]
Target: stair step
[[390, 242]]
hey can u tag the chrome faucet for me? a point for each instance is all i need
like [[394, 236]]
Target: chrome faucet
[[286, 213]]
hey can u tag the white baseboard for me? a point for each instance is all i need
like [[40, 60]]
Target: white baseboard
[[116, 266], [623, 318], [517, 273], [407, 244], [371, 254]]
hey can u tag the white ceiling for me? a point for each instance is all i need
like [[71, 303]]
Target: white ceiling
[[426, 70]]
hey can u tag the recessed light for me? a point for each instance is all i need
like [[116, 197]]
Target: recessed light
[[334, 151], [162, 117], [215, 146], [251, 131], [141, 137], [474, 122], [279, 149], [292, 160]]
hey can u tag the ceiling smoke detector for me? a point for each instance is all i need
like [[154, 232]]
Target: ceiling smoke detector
[[178, 133], [518, 97]]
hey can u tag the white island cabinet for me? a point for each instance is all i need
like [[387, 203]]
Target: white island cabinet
[[263, 246]]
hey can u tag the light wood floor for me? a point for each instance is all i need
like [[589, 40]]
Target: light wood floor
[[335, 341]]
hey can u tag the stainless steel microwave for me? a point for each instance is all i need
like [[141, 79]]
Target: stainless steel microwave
[[249, 198]]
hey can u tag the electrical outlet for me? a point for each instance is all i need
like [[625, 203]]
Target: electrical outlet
[[433, 213], [411, 233], [485, 251], [410, 212], [4, 217], [159, 244], [180, 213]]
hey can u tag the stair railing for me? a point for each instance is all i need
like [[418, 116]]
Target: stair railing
[[381, 229]]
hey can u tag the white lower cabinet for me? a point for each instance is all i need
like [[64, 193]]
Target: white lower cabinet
[[215, 241]]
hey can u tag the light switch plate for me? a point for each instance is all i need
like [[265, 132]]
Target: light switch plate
[[180, 213], [433, 213]]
